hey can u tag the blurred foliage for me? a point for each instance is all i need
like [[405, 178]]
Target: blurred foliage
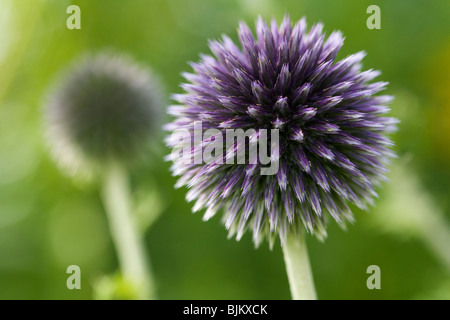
[[48, 222]]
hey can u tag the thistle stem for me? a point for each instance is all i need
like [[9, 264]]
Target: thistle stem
[[133, 261], [298, 268]]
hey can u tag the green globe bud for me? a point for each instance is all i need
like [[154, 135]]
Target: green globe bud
[[105, 107]]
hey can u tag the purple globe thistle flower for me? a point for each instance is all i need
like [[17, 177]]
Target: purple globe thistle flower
[[104, 107], [332, 130]]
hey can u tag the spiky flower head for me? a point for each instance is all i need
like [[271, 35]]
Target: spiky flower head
[[332, 130], [105, 107]]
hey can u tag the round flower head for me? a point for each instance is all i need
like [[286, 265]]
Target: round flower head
[[332, 143], [104, 107]]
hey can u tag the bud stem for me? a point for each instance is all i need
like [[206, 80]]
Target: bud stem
[[133, 261], [298, 268]]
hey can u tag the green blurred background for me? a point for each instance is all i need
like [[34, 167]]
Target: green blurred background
[[48, 221]]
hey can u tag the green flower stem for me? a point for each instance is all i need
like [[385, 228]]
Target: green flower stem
[[133, 261], [298, 268]]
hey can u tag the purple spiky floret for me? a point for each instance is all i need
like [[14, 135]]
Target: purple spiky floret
[[333, 144]]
